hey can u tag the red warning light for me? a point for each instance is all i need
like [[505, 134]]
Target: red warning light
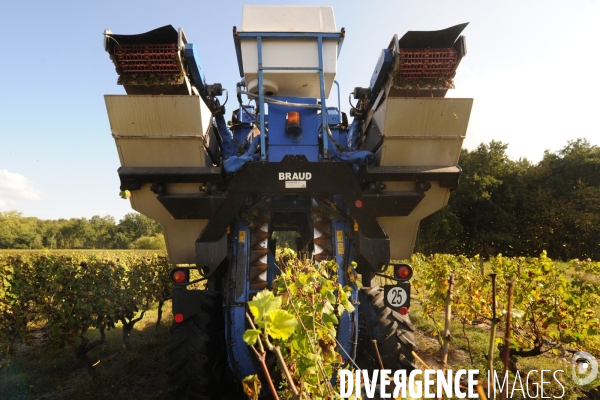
[[179, 318], [179, 276], [358, 203], [403, 272]]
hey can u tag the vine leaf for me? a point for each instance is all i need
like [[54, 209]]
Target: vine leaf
[[281, 324], [251, 336], [263, 303]]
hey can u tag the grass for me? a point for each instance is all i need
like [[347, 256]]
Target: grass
[[39, 373]]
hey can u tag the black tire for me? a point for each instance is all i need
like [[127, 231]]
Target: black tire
[[393, 332], [196, 352]]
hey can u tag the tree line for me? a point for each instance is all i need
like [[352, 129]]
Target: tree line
[[132, 231], [517, 208]]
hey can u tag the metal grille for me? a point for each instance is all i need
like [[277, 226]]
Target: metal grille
[[147, 58], [427, 63]]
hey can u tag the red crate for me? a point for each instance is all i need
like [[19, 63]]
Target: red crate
[[160, 59], [427, 63]]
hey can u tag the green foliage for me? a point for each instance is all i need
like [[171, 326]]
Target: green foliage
[[72, 292], [19, 232], [301, 316], [554, 304], [270, 318], [156, 242], [516, 208], [286, 239]]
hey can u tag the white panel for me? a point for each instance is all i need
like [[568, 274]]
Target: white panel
[[426, 116], [422, 131], [419, 132], [162, 131], [420, 153], [163, 152], [180, 234], [159, 131], [142, 115], [289, 53], [288, 19], [402, 231]]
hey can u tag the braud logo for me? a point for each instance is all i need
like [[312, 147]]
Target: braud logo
[[295, 176], [295, 180]]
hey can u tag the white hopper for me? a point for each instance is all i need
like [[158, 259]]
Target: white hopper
[[419, 132], [289, 53], [162, 131]]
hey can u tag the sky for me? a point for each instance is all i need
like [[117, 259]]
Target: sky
[[531, 66]]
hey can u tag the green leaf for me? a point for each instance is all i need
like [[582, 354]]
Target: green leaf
[[330, 318], [251, 336], [592, 332], [328, 308], [281, 324], [263, 303], [330, 296], [350, 307]]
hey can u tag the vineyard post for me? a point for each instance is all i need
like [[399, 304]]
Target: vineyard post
[[447, 335], [507, 336], [493, 328]]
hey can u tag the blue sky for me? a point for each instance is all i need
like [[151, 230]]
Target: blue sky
[[531, 67]]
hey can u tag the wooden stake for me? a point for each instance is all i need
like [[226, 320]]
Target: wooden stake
[[447, 335], [492, 332], [507, 337]]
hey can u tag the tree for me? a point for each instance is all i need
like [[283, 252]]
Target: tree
[[104, 228], [78, 233], [133, 226], [19, 232], [516, 208], [565, 216], [482, 216]]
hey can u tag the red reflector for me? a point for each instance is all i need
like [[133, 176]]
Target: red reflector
[[403, 310], [403, 272], [179, 276], [358, 203], [179, 317]]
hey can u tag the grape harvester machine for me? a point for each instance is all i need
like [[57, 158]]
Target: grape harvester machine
[[288, 161]]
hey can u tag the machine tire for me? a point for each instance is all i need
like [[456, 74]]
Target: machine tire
[[196, 352], [393, 332]]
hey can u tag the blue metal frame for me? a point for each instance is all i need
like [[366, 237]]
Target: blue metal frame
[[240, 358], [343, 254], [320, 36], [195, 69]]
